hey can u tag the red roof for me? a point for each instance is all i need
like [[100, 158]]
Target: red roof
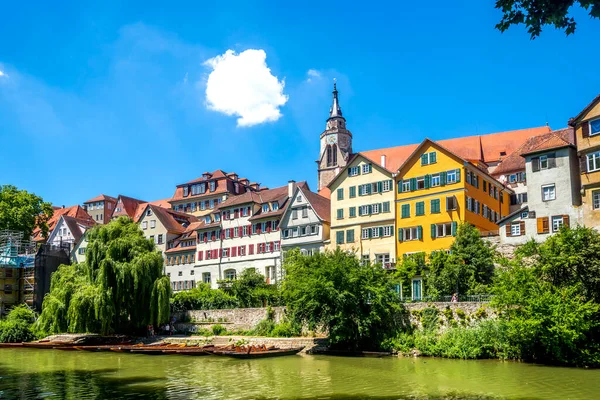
[[73, 224], [515, 162], [320, 204], [172, 220], [73, 211], [224, 184], [487, 148], [129, 207], [102, 197]]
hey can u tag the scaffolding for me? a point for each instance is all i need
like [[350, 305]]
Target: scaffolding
[[17, 263]]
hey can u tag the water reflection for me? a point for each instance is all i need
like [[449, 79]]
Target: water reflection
[[30, 373]]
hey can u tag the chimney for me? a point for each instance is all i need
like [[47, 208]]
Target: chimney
[[383, 160], [291, 188]]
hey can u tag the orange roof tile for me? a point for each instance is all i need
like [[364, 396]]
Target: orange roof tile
[[172, 220], [129, 207], [320, 204], [488, 148], [73, 211], [101, 197]]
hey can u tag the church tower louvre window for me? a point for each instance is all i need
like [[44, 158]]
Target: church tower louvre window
[[336, 144]]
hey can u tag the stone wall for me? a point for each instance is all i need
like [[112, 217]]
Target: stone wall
[[462, 313], [232, 319], [505, 249], [308, 343]]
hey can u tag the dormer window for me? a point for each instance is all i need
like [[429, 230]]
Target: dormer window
[[212, 186], [207, 219], [265, 208], [149, 212], [186, 191], [275, 206], [203, 188], [217, 217]]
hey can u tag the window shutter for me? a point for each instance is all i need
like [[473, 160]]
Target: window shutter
[[369, 209], [458, 175], [566, 220], [443, 178], [427, 181], [370, 233], [379, 187], [552, 160], [585, 130], [220, 253], [400, 234], [233, 251], [508, 231], [583, 163], [522, 227], [540, 225], [200, 256], [348, 171], [400, 185], [424, 159], [535, 164], [413, 184], [433, 157], [273, 244], [433, 231], [391, 184], [380, 231], [250, 249], [454, 228], [420, 232]]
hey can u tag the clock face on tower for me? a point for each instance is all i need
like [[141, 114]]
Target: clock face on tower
[[331, 139]]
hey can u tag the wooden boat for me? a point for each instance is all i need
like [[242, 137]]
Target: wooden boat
[[10, 345], [252, 352], [46, 345], [189, 351]]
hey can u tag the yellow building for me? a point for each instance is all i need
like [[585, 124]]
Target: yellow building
[[362, 210], [587, 139], [437, 190]]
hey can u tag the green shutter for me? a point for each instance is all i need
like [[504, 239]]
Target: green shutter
[[420, 208], [385, 206], [405, 210], [379, 187], [340, 194], [443, 178], [435, 206], [427, 181], [368, 187], [340, 237], [454, 227], [370, 230], [458, 175], [400, 234], [369, 209], [380, 231], [433, 231], [352, 212], [400, 185], [413, 184], [424, 159], [420, 232], [352, 191], [350, 236], [433, 157]]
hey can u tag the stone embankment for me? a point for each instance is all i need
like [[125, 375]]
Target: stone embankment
[[461, 313], [232, 319]]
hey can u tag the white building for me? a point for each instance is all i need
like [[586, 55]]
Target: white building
[[68, 231], [305, 222], [553, 183]]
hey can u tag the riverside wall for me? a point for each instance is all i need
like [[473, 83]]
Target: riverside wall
[[461, 313], [232, 319]]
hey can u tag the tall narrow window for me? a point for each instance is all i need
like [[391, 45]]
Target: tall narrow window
[[334, 151], [329, 156]]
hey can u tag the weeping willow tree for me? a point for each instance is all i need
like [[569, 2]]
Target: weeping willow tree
[[120, 288]]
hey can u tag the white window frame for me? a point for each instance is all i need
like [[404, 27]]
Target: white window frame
[[435, 180], [446, 229], [406, 186], [153, 224], [557, 222], [410, 234], [145, 225], [553, 192], [387, 230], [275, 206], [596, 199], [386, 186], [451, 177], [515, 229], [593, 158], [375, 232], [365, 233], [375, 208], [367, 168], [354, 171]]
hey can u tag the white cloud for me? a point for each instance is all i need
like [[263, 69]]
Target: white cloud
[[2, 74], [242, 85], [314, 73]]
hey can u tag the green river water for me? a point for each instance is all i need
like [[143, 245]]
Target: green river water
[[54, 374]]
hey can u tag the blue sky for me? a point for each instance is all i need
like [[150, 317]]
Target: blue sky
[[113, 98]]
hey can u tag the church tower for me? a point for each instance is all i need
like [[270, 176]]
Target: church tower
[[336, 144]]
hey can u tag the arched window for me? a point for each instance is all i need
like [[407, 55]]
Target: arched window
[[334, 151], [230, 274], [329, 156]]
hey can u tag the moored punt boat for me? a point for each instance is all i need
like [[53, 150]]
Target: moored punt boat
[[46, 345], [252, 352], [10, 345]]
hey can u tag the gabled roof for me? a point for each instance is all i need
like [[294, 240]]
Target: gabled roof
[[512, 215], [75, 225], [489, 148], [223, 185], [575, 120], [350, 161], [172, 220], [73, 211], [321, 205], [279, 195], [189, 234], [555, 139], [101, 197], [424, 143], [129, 206]]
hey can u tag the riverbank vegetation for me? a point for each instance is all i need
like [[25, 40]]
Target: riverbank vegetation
[[546, 307], [120, 288], [18, 326]]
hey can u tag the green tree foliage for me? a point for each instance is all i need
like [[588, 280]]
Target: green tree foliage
[[119, 288], [535, 14], [202, 297], [468, 269], [18, 326], [23, 211], [356, 303], [252, 290]]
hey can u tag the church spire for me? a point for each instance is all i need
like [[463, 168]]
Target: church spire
[[335, 111]]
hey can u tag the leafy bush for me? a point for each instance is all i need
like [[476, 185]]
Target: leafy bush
[[218, 329], [18, 326], [264, 327], [202, 297], [286, 329], [430, 319]]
